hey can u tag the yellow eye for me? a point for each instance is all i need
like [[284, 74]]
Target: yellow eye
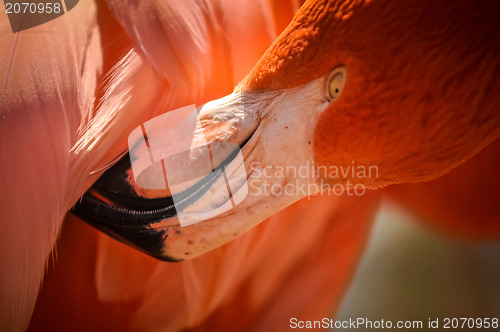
[[335, 82]]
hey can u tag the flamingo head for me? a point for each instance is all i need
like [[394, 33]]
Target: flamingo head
[[353, 95]]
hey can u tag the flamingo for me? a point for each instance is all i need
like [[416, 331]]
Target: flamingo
[[408, 87]]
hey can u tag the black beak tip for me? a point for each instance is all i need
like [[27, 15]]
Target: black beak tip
[[149, 240]]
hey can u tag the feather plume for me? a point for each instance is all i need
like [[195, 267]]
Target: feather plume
[[47, 80]]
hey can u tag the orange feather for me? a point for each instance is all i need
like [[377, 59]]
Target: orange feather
[[419, 100]]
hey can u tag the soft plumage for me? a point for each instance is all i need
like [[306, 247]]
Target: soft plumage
[[420, 99]]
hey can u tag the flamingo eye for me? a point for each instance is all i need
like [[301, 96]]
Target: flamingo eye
[[335, 82]]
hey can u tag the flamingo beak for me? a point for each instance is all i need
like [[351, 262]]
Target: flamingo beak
[[249, 156]]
